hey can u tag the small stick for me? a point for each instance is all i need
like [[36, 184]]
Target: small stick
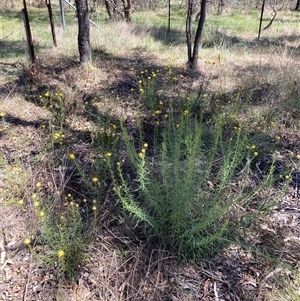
[[27, 282]]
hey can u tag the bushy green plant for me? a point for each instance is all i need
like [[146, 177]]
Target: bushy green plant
[[62, 240], [185, 189]]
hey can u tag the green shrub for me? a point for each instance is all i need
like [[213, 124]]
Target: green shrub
[[186, 179]]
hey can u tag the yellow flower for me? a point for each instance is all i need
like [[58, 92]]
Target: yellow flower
[[145, 145], [141, 155], [42, 213], [255, 154], [47, 94], [94, 208], [27, 241], [161, 103], [95, 179], [143, 150], [298, 156], [157, 112], [185, 112], [287, 177], [108, 154], [38, 184], [277, 138], [2, 114], [253, 146], [60, 253], [36, 203], [177, 125], [20, 202], [142, 91], [84, 200]]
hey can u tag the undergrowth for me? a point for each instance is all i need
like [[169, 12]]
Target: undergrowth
[[185, 181]]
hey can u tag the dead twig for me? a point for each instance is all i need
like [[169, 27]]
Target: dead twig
[[24, 298]]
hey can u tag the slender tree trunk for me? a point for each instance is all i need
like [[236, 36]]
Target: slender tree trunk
[[113, 10], [84, 46], [169, 17], [110, 9], [193, 60], [188, 29], [261, 18], [220, 6], [127, 10], [297, 5]]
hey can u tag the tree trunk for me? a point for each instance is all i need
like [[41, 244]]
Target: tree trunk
[[188, 28], [169, 17], [84, 46], [109, 9], [127, 10], [221, 4], [193, 59], [297, 5], [113, 10], [261, 18]]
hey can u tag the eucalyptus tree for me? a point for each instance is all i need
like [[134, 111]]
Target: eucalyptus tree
[[84, 45], [193, 47], [115, 12]]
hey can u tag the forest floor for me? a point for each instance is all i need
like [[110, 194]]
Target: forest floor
[[122, 265]]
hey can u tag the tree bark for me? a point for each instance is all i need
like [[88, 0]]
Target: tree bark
[[193, 60], [261, 18], [109, 9], [221, 4], [297, 5], [188, 29], [84, 46], [127, 10], [113, 10]]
